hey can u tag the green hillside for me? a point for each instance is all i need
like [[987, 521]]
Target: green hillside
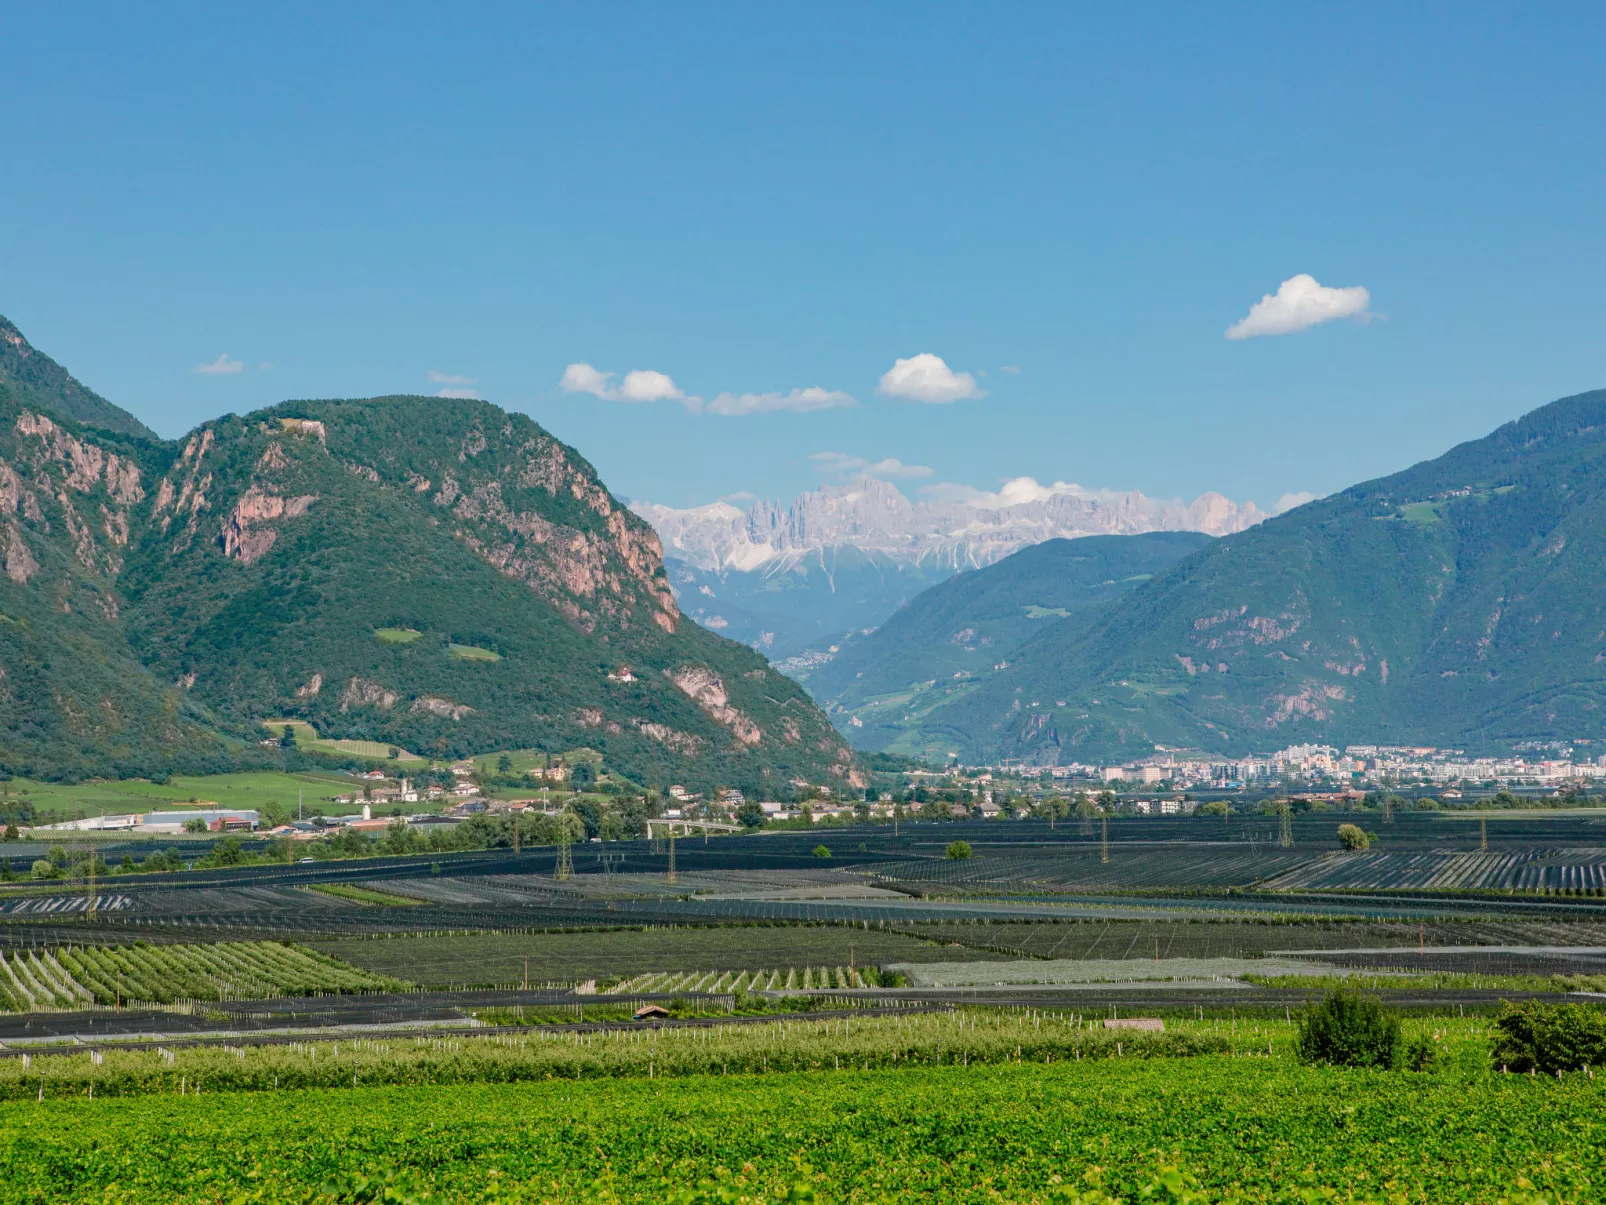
[[951, 636], [427, 573], [34, 379], [1458, 603], [73, 695]]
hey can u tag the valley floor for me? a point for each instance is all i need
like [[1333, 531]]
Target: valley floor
[[1250, 1129]]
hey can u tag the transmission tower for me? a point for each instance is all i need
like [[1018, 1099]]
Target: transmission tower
[[1104, 839], [1483, 833], [671, 877], [1388, 808], [1285, 824], [565, 868], [93, 902]]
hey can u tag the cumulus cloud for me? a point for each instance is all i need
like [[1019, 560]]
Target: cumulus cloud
[[1299, 302], [642, 385], [448, 378], [1289, 501], [645, 385], [926, 378], [1014, 492], [220, 367], [798, 400], [472, 395], [843, 465]]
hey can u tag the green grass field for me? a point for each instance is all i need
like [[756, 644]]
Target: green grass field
[[472, 652], [499, 958], [308, 740], [253, 790], [396, 635], [1249, 1130]]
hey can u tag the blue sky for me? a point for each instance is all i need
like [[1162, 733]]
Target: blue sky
[[753, 200]]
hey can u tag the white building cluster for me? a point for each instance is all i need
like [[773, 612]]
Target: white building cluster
[[1357, 765]]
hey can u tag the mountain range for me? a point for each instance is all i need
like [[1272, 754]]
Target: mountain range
[[842, 558], [431, 573], [1459, 603]]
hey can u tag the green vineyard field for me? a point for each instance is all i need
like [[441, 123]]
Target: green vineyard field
[[87, 976], [1249, 1129]]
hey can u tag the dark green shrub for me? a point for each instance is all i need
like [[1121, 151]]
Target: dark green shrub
[[1348, 1030], [958, 850], [1420, 1054], [1549, 1037]]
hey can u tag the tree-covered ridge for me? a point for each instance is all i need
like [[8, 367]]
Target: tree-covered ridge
[[1458, 602], [33, 378]]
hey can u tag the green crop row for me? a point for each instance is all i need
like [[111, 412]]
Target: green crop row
[[1252, 1130], [860, 1042], [85, 976], [801, 979]]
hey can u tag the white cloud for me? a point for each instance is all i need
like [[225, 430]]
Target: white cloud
[[642, 385], [220, 367], [472, 395], [1289, 501], [843, 465], [926, 378], [645, 385], [799, 400], [1012, 369], [1299, 303], [264, 366], [448, 378], [1014, 492]]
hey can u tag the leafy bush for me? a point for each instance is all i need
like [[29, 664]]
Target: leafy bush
[[1352, 837], [1549, 1037], [821, 851], [1348, 1030], [958, 850]]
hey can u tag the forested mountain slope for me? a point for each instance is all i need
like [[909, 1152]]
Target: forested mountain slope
[[427, 572], [1460, 602], [29, 376], [962, 630]]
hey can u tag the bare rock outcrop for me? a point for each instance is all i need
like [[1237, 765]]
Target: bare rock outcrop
[[362, 692], [245, 536], [445, 708], [705, 688]]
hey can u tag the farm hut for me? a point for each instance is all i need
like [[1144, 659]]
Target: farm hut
[[651, 1012]]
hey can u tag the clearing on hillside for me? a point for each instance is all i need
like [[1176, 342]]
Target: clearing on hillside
[[397, 635], [472, 652]]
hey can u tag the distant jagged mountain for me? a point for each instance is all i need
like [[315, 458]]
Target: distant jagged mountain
[[430, 573], [34, 379], [956, 634], [844, 557], [1459, 603]]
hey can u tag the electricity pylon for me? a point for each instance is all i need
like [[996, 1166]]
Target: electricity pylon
[[565, 868], [671, 877], [1104, 839], [1388, 808], [1483, 833], [1285, 824]]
